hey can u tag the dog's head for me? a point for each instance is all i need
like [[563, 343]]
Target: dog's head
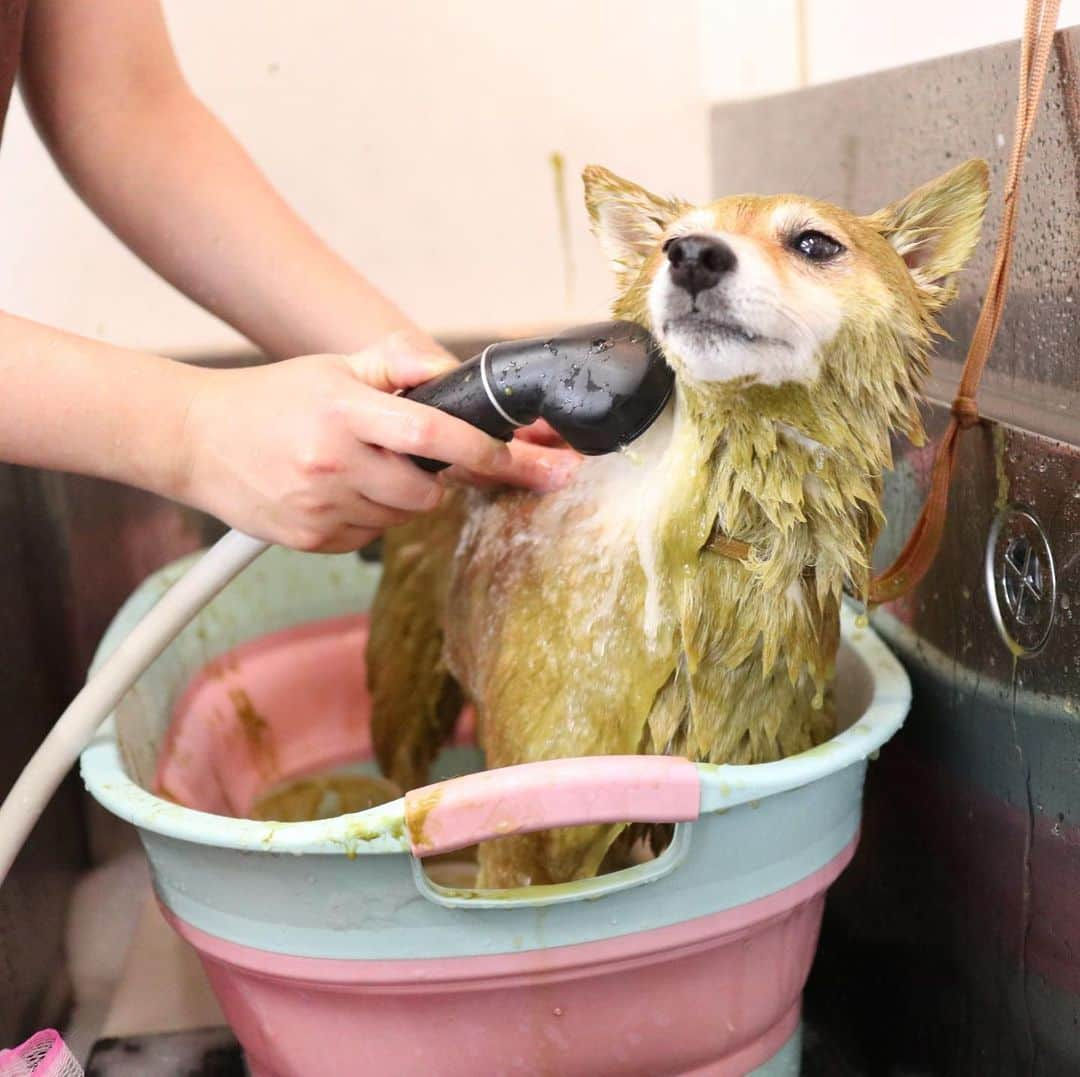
[[776, 290]]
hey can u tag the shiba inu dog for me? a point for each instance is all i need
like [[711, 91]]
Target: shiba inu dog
[[682, 597]]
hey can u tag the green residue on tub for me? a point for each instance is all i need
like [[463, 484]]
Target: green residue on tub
[[324, 797], [463, 895], [825, 748], [417, 811], [364, 831], [358, 834], [558, 174], [523, 893], [351, 843]]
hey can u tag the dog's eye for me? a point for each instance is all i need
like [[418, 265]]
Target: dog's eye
[[816, 246]]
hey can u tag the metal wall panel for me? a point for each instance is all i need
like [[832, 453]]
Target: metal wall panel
[[34, 682], [952, 944]]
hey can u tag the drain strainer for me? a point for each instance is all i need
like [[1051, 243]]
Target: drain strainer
[[1020, 580]]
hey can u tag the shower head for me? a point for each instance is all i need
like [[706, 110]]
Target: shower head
[[598, 386]]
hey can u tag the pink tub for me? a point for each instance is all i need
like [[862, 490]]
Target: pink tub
[[333, 951]]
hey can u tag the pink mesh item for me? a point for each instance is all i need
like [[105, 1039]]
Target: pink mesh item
[[43, 1055]]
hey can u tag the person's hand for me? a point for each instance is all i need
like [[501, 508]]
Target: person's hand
[[308, 452], [540, 460], [540, 433]]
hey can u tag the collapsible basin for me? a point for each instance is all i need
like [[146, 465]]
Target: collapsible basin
[[331, 948]]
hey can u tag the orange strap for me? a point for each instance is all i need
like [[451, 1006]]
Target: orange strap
[[725, 546], [922, 545]]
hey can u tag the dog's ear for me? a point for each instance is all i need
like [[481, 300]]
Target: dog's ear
[[936, 227], [626, 218]]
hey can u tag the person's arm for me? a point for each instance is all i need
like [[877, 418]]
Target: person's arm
[[305, 453], [108, 98]]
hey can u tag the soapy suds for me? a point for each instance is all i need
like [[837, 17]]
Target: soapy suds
[[609, 514]]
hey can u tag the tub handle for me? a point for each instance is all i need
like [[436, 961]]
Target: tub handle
[[455, 814]]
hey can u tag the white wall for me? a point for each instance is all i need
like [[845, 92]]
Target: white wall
[[413, 134], [768, 46]]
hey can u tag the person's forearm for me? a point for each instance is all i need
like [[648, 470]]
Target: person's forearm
[[173, 184], [77, 405], [183, 195], [310, 452]]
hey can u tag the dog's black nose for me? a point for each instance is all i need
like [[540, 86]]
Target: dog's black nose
[[698, 262]]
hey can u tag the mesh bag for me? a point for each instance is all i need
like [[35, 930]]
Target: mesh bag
[[43, 1055]]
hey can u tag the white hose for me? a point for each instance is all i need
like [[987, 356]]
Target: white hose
[[76, 726]]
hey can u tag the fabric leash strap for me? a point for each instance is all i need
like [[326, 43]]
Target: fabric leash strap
[[922, 545]]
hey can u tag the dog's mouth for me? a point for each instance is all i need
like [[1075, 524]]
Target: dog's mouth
[[704, 327]]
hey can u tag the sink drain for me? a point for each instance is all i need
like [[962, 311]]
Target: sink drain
[[1020, 580]]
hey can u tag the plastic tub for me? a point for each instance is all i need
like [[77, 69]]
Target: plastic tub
[[332, 951]]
